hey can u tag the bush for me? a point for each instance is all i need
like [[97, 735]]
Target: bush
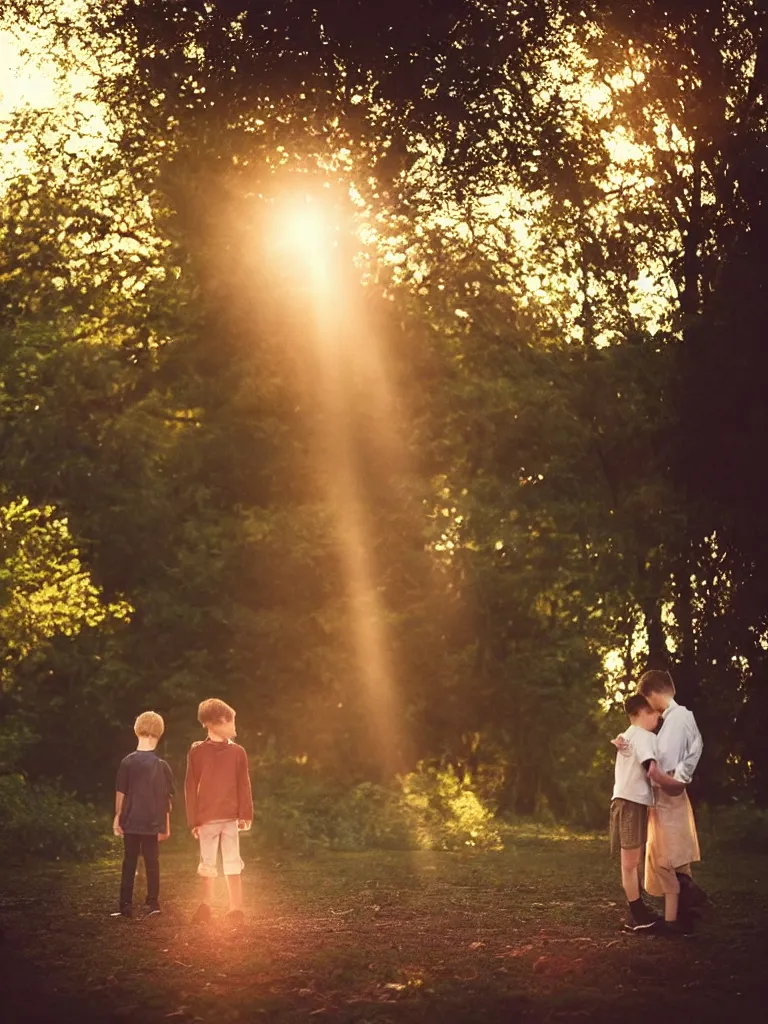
[[296, 809], [448, 813], [741, 826], [43, 821]]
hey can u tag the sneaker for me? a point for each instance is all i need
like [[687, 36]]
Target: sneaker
[[126, 911], [236, 918], [640, 917], [152, 910], [202, 915], [643, 929]]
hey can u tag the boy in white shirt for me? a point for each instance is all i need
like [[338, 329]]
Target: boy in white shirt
[[633, 796], [673, 843]]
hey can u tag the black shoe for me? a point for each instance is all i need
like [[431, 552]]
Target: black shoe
[[685, 922], [153, 910], [692, 896], [202, 915], [643, 929], [640, 917], [673, 929], [236, 918], [125, 911]]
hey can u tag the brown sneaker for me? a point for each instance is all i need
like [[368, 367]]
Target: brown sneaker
[[235, 918]]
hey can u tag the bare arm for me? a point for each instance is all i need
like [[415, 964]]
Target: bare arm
[[119, 798], [190, 794], [622, 745], [244, 796], [171, 794], [663, 781]]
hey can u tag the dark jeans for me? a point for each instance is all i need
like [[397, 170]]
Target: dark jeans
[[147, 847]]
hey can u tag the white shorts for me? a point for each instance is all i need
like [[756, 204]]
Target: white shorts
[[213, 834]]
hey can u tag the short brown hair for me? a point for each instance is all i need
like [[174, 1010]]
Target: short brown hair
[[656, 681], [213, 710], [149, 723], [636, 703]]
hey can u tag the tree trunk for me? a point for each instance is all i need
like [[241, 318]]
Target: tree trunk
[[687, 671], [658, 652]]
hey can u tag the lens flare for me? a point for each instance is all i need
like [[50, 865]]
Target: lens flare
[[306, 230], [346, 349]]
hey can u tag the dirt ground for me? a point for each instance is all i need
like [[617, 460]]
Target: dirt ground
[[530, 934]]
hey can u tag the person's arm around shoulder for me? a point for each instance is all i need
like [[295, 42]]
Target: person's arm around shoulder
[[622, 745], [244, 795]]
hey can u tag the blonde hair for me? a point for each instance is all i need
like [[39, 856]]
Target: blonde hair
[[149, 723], [213, 711]]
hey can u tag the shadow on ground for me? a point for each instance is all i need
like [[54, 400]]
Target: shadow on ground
[[529, 935]]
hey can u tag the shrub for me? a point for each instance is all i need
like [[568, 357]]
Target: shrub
[[742, 826], [448, 813], [294, 808], [43, 821]]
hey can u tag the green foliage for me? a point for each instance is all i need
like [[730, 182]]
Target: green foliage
[[44, 588], [428, 809], [447, 812], [15, 739], [513, 433], [739, 827], [44, 821]]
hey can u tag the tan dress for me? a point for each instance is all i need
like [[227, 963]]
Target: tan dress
[[672, 842]]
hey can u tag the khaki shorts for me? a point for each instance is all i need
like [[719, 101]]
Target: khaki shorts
[[629, 825], [215, 834]]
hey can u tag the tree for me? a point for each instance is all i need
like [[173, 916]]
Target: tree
[[555, 225]]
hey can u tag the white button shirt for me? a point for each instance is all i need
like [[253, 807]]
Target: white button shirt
[[679, 742]]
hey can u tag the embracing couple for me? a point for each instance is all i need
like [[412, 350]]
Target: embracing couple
[[650, 810]]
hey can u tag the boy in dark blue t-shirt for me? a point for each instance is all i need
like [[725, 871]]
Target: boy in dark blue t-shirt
[[143, 811]]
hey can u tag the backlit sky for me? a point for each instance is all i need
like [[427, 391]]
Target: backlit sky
[[29, 77]]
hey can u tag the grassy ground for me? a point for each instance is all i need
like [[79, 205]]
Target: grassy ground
[[531, 934]]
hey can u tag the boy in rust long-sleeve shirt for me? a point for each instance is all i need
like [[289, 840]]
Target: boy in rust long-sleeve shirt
[[217, 790]]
